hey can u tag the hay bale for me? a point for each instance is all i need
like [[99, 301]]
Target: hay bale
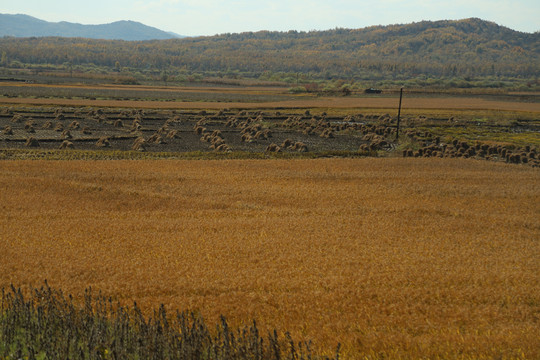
[[216, 141], [17, 118], [173, 134], [74, 125], [118, 124], [103, 142], [286, 143], [59, 127], [247, 138], [155, 139], [273, 148], [31, 142], [259, 135], [66, 145], [199, 130], [223, 148], [217, 133], [139, 144], [47, 125], [29, 128], [66, 134], [363, 148], [300, 147], [8, 130], [368, 137]]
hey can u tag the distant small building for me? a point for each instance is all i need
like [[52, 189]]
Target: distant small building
[[373, 91]]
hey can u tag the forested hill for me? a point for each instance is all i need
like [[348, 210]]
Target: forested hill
[[464, 48]]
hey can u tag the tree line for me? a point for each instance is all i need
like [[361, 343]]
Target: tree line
[[469, 48]]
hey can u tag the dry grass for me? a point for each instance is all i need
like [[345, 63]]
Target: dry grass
[[410, 104], [405, 258]]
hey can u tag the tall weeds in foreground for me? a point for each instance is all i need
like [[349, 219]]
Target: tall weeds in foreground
[[49, 325]]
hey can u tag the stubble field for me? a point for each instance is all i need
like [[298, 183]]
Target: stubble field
[[390, 257]]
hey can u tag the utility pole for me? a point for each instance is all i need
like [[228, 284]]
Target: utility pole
[[399, 112]]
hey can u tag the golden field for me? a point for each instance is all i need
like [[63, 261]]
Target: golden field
[[403, 258]]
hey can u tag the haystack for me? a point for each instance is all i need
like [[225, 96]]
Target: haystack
[[66, 145], [139, 144], [199, 129], [8, 130], [173, 134], [273, 148], [47, 125], [17, 118], [286, 143], [103, 142], [31, 142], [328, 134], [300, 147], [223, 148], [217, 133], [155, 139], [66, 134]]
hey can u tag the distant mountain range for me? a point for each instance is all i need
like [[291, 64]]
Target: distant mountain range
[[28, 26]]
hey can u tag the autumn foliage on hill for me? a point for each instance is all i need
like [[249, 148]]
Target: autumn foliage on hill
[[465, 48]]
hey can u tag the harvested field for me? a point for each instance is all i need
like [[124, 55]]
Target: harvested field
[[511, 138], [242, 97], [299, 103], [400, 258]]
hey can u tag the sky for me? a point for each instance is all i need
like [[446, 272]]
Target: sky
[[210, 17]]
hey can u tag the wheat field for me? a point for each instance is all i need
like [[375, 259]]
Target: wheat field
[[398, 258]]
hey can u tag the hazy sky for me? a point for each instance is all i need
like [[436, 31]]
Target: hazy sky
[[209, 17]]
